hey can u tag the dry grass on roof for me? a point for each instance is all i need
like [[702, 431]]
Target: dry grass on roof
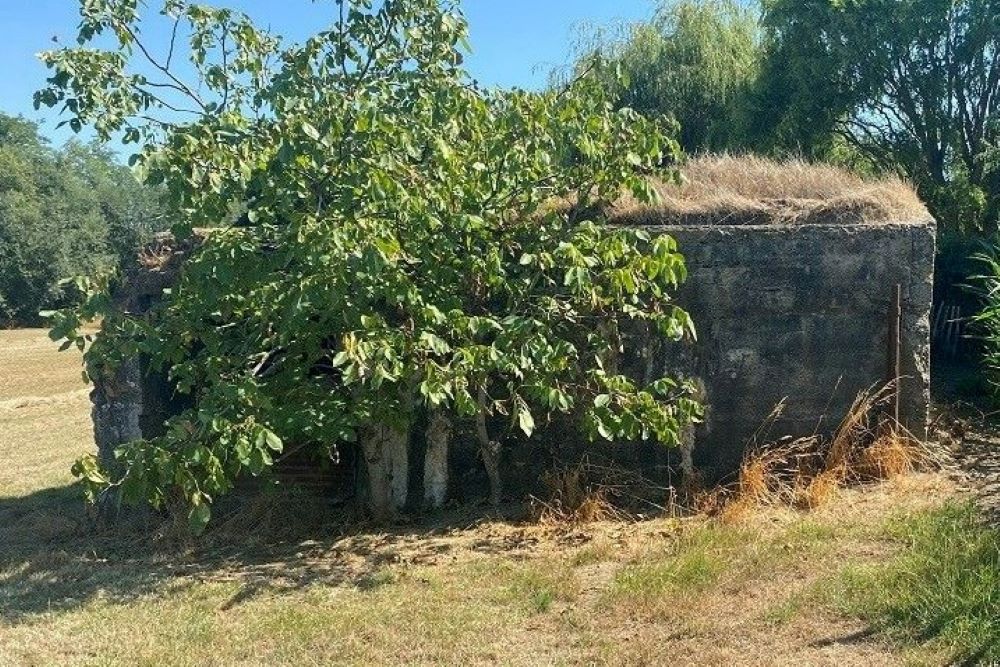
[[729, 190]]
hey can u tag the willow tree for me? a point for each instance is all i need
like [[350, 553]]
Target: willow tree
[[694, 63], [407, 251]]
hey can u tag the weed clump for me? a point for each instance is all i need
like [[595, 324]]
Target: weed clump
[[806, 473], [587, 492]]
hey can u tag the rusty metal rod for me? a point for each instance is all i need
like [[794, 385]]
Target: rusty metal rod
[[894, 371]]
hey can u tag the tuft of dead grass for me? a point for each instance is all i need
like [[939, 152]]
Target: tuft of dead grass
[[571, 500], [809, 472], [750, 190], [589, 492]]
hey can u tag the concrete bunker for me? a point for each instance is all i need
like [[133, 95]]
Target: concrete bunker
[[807, 286]]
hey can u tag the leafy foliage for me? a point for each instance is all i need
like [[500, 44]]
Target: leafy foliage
[[407, 245], [909, 86], [986, 322], [694, 64], [62, 213]]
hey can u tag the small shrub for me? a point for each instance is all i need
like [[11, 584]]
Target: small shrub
[[986, 323]]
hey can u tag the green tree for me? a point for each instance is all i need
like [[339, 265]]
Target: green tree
[[63, 212], [909, 86], [131, 211], [694, 63], [49, 226], [406, 252], [406, 248]]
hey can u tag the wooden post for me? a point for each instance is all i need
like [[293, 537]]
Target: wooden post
[[894, 370]]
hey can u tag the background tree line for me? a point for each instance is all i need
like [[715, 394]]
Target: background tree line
[[64, 212], [907, 86]]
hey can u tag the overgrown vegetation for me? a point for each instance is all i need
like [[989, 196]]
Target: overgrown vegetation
[[986, 323], [903, 87], [63, 212], [402, 266], [731, 190]]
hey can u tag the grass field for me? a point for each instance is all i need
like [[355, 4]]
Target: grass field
[[773, 587]]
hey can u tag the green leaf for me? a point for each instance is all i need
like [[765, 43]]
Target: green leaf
[[526, 421], [198, 518], [604, 431], [274, 442], [310, 131], [443, 148], [243, 451], [435, 343]]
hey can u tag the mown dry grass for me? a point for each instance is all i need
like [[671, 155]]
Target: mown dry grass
[[456, 589], [30, 368], [44, 412]]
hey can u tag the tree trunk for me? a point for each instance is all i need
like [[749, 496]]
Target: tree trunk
[[610, 357], [116, 407], [491, 460], [689, 433], [489, 450], [436, 460], [386, 461]]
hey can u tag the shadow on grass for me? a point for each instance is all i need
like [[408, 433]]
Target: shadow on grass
[[53, 558], [940, 590]]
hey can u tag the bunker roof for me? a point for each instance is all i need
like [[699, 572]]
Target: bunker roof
[[747, 190]]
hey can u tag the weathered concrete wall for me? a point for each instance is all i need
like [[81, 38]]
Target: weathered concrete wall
[[130, 403], [796, 313], [801, 313]]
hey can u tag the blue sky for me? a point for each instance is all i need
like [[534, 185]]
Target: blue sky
[[515, 42]]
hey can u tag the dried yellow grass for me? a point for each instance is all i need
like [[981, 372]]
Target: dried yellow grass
[[745, 190], [821, 489], [808, 472], [890, 456], [572, 501]]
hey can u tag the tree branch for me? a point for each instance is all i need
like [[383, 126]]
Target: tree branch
[[155, 63]]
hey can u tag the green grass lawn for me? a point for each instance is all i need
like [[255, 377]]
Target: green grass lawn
[[943, 587], [894, 574]]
